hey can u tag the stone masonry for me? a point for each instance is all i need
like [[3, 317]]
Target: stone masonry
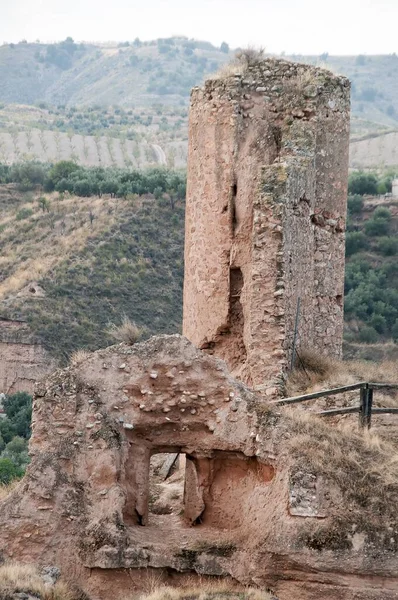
[[265, 221], [256, 507]]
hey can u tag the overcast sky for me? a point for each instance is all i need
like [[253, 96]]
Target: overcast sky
[[293, 26]]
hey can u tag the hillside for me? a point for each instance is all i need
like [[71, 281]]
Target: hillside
[[96, 260], [163, 71], [375, 151], [125, 75], [108, 243], [371, 284]]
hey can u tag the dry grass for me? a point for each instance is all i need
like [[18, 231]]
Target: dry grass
[[32, 248], [205, 590], [359, 462], [79, 356], [5, 490], [127, 332], [311, 370], [360, 471], [244, 58], [17, 578], [306, 76], [315, 372]]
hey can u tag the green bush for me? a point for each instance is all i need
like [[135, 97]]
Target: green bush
[[388, 246], [17, 452], [379, 224], [355, 204], [354, 241], [362, 183], [24, 213], [8, 471], [18, 409], [394, 331], [379, 323], [382, 212], [368, 335]]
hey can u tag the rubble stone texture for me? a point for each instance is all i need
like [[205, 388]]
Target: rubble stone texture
[[23, 361], [252, 510], [265, 219]]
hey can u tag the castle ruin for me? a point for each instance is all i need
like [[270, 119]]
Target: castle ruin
[[264, 501], [265, 219]]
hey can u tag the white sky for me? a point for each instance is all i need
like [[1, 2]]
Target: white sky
[[293, 26]]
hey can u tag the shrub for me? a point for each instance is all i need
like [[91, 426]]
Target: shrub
[[394, 331], [379, 224], [362, 183], [28, 174], [8, 471], [18, 409], [368, 335], [24, 213], [17, 452], [128, 332], [83, 187], [382, 212], [355, 204], [355, 241], [378, 322], [388, 246]]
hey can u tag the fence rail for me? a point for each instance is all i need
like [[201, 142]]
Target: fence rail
[[365, 408]]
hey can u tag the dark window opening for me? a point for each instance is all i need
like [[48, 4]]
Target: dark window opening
[[236, 316], [234, 219]]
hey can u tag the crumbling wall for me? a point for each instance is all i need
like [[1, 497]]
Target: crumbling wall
[[23, 361], [266, 202], [253, 509]]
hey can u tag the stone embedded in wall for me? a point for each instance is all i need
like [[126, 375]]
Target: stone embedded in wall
[[23, 361], [265, 218], [306, 495]]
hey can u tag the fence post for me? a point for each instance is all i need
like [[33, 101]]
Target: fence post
[[365, 409], [369, 408]]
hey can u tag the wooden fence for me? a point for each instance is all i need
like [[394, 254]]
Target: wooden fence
[[365, 408]]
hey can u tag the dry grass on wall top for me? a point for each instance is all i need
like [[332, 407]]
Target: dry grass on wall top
[[315, 372], [127, 332], [26, 579], [207, 591], [244, 58], [362, 465]]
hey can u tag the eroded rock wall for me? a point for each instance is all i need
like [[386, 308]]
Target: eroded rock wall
[[23, 361], [266, 206], [254, 509]]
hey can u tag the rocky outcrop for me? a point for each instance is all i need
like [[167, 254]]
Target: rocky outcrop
[[259, 506], [23, 360]]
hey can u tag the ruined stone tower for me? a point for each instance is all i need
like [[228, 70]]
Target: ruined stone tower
[[266, 206]]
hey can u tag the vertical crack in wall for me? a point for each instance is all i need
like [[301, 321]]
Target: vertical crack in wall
[[236, 317], [234, 218]]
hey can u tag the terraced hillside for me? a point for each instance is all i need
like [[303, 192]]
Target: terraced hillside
[[375, 151], [95, 259], [163, 72], [106, 151], [120, 74]]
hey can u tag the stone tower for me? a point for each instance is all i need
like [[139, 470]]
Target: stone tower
[[265, 221]]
